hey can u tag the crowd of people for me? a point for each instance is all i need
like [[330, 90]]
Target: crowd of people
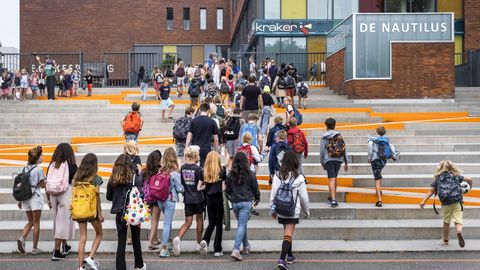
[[43, 80], [215, 125]]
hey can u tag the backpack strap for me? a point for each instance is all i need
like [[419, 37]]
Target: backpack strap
[[434, 208]]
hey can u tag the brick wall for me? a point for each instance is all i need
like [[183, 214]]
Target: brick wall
[[115, 25], [471, 14], [335, 77], [419, 70]]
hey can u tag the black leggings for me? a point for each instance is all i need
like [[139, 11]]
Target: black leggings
[[122, 242], [51, 87], [215, 220]]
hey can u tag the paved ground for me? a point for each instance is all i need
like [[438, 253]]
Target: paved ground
[[418, 260]]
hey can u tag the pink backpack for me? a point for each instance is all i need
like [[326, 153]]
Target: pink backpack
[[57, 179], [158, 187]]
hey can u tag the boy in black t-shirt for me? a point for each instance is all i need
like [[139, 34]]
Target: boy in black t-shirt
[[165, 100], [194, 200]]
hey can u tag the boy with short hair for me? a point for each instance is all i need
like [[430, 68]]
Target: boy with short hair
[[448, 185], [132, 123], [231, 132], [252, 127], [298, 142], [332, 154], [278, 150], [379, 151], [272, 133], [180, 130], [302, 90]]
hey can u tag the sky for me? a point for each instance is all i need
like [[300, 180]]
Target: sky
[[10, 14]]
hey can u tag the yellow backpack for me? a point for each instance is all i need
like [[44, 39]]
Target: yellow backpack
[[83, 205]]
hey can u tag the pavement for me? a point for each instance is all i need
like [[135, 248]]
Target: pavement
[[305, 261]]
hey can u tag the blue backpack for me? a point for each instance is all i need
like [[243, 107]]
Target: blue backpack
[[383, 148], [284, 202], [252, 128], [298, 116]]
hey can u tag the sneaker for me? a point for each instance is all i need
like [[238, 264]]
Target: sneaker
[[170, 247], [461, 240], [203, 247], [144, 267], [291, 259], [66, 249], [82, 268], [282, 265], [198, 247], [164, 253], [444, 242], [36, 251], [236, 255], [218, 254], [334, 204], [21, 245], [246, 250], [176, 246], [92, 264], [57, 256]]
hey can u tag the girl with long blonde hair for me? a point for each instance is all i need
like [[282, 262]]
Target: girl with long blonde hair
[[213, 184]]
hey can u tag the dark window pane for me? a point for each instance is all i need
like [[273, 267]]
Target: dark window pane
[[169, 13], [186, 13]]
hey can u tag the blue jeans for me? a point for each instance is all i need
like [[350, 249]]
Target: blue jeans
[[143, 89], [265, 119], [131, 137], [242, 212], [168, 210]]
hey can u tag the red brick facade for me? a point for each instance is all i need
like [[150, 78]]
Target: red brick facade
[[419, 70], [471, 14], [115, 25]]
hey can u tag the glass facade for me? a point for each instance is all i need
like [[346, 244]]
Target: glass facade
[[342, 9], [292, 9], [272, 9], [319, 9], [409, 5]]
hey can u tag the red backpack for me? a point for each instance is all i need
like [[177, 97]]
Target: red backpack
[[297, 143], [247, 149], [133, 123], [158, 187]]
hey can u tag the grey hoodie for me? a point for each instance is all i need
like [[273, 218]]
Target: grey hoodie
[[324, 156], [299, 190]]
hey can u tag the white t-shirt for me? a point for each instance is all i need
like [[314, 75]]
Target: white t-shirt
[[252, 68]]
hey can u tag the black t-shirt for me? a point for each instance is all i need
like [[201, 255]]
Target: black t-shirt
[[216, 188], [203, 128], [267, 99], [250, 94], [72, 170], [165, 92], [190, 175], [89, 79], [135, 162]]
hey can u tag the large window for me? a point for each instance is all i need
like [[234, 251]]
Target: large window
[[319, 9], [272, 9], [186, 19], [203, 19], [219, 18], [343, 9], [169, 18], [409, 5]]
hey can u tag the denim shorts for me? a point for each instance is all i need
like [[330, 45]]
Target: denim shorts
[[377, 167]]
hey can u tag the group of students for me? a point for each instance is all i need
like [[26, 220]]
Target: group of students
[[68, 82]]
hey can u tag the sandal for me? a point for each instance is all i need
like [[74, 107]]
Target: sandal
[[379, 204], [152, 247]]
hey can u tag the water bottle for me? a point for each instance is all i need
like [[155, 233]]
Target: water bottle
[[272, 210]]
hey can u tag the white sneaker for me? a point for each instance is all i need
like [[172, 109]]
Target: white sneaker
[[36, 251], [203, 247], [90, 263], [176, 246], [218, 254], [143, 268]]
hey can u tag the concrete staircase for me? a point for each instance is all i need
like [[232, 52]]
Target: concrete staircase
[[425, 132]]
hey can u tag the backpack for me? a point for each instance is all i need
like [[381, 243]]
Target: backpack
[[290, 82], [264, 82], [302, 90], [159, 78], [83, 204], [136, 211], [169, 74], [281, 150], [297, 143], [281, 83], [247, 149], [212, 89], [180, 129], [298, 116], [283, 201], [146, 79], [220, 111], [180, 72], [133, 123], [57, 179], [448, 188], [336, 146], [194, 90], [224, 88], [252, 129], [232, 128], [383, 148], [22, 189], [158, 187]]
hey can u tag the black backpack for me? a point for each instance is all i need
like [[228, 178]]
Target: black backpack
[[22, 189], [220, 111], [180, 129], [303, 90], [264, 81], [284, 201], [194, 90], [232, 128], [281, 83], [290, 81]]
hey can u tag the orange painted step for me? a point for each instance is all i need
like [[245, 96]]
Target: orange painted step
[[355, 126], [23, 148], [329, 110], [353, 197], [121, 140], [416, 116], [343, 182]]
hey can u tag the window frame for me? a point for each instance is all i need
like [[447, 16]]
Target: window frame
[[205, 22], [170, 22], [186, 19], [221, 28]]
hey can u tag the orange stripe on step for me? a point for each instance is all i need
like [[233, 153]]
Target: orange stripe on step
[[355, 126], [344, 182], [329, 110], [414, 116], [121, 140]]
